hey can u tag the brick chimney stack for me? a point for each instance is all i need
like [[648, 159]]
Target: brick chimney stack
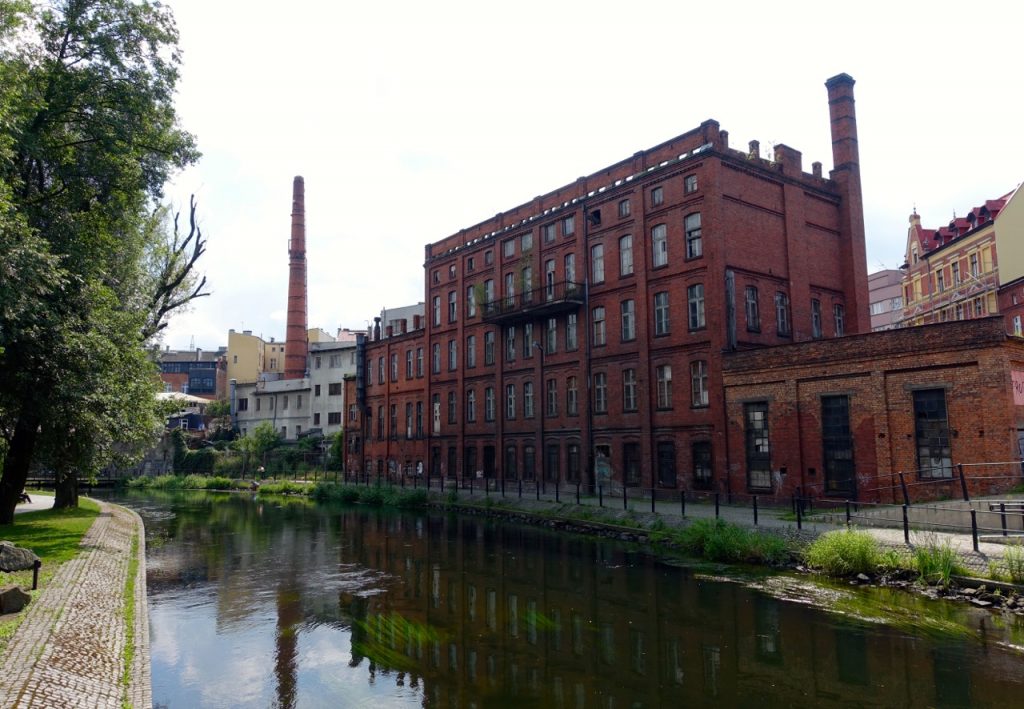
[[296, 347], [846, 175]]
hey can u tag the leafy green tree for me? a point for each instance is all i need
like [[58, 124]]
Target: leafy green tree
[[89, 270], [336, 453], [259, 441]]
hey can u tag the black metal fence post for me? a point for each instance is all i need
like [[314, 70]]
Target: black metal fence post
[[682, 503], [717, 496], [520, 488], [652, 500], [577, 493], [847, 514], [906, 525], [600, 495], [625, 497], [557, 498], [963, 482], [799, 516], [903, 486], [1002, 516], [755, 510], [974, 528], [536, 489]]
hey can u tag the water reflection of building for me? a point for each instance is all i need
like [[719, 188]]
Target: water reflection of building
[[480, 613], [576, 622]]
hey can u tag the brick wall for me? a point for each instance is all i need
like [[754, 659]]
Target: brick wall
[[970, 361]]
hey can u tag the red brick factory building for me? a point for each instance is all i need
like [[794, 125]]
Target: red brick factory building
[[581, 336]]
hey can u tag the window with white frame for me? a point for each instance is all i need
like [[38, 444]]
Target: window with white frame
[[694, 246], [782, 313], [626, 255], [510, 343], [628, 318], [510, 401], [571, 336], [552, 397], [753, 310], [600, 335], [699, 383], [489, 404], [664, 380], [661, 320], [659, 245], [695, 301], [629, 389], [597, 263], [572, 394], [528, 400], [489, 348], [600, 393], [839, 316], [815, 318]]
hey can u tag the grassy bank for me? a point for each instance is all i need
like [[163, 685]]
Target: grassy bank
[[54, 536], [850, 552]]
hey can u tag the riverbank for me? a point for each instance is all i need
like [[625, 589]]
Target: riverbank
[[84, 640]]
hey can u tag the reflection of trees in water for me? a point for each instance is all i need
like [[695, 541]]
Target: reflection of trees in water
[[478, 609]]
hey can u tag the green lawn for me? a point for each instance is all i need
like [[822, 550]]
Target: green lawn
[[54, 535]]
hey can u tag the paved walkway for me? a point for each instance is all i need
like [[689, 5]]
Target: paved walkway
[[69, 649]]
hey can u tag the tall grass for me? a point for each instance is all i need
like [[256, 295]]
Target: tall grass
[[844, 552], [718, 540], [936, 561], [374, 496]]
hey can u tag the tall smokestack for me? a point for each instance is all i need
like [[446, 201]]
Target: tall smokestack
[[296, 347], [846, 175]]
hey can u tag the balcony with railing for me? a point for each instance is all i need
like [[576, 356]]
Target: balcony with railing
[[546, 301]]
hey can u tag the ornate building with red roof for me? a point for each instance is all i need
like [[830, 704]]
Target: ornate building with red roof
[[971, 268]]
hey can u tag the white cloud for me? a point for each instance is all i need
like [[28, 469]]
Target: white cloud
[[410, 121]]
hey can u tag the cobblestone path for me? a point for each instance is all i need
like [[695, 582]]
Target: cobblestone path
[[69, 650]]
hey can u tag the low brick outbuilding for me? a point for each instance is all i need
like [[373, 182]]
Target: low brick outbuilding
[[843, 417]]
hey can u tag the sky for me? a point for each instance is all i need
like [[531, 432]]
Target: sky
[[410, 121]]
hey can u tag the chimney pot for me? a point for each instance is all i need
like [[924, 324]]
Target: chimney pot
[[754, 149], [389, 331], [816, 169], [723, 136]]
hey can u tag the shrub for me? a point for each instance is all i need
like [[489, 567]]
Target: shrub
[[166, 482], [219, 483], [375, 496], [333, 492], [411, 498], [194, 482], [844, 552], [718, 540], [936, 561], [1014, 561]]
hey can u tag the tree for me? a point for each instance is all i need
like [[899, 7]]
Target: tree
[[88, 137], [259, 441]]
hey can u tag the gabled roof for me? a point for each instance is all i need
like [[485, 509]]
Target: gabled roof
[[931, 239]]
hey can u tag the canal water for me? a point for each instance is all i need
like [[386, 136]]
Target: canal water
[[264, 601]]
